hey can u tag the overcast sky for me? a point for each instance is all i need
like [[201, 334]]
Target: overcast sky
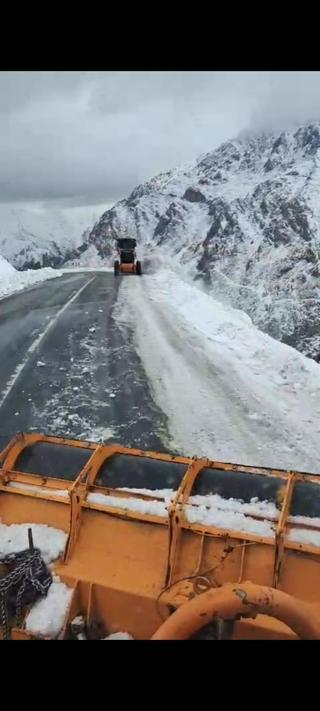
[[88, 138]]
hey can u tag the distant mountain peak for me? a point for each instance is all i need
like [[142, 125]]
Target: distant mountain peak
[[34, 238]]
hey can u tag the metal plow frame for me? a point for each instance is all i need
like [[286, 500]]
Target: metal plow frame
[[127, 268], [130, 570]]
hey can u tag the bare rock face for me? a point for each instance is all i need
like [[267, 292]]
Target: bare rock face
[[194, 195]]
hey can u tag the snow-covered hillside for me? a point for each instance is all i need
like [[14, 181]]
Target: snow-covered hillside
[[38, 237], [245, 220], [12, 280]]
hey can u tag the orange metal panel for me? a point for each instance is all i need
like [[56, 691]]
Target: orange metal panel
[[127, 268], [120, 561]]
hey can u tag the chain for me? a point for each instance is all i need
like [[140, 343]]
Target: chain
[[30, 571], [4, 616], [19, 603]]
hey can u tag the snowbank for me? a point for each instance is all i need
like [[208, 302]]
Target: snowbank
[[230, 392], [12, 281]]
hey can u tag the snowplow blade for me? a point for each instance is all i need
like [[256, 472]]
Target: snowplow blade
[[127, 269], [145, 533]]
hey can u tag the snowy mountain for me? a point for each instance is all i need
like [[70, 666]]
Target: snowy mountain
[[34, 238], [245, 221]]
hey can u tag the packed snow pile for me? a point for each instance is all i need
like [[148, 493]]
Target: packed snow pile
[[207, 513], [255, 507], [254, 517], [12, 280], [166, 494], [302, 535], [230, 520], [50, 541], [243, 219], [63, 493], [230, 392], [47, 616]]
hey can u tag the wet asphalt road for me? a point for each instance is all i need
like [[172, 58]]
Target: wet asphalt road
[[66, 368]]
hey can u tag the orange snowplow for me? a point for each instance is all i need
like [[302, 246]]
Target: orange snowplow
[[127, 262], [157, 546]]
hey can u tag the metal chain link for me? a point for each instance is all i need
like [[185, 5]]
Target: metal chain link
[[30, 566], [19, 603], [4, 616]]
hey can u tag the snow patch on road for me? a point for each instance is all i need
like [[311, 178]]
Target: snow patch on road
[[97, 434]]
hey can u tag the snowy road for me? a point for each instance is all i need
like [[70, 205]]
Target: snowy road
[[229, 391], [65, 368], [158, 364]]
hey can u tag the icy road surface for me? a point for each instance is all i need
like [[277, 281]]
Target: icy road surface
[[66, 369]]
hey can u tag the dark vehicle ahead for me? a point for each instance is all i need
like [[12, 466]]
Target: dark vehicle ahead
[[127, 262]]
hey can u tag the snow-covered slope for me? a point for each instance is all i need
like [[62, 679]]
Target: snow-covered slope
[[245, 220], [229, 391], [12, 280], [6, 269], [34, 238]]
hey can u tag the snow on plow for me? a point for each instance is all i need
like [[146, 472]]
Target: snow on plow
[[107, 542]]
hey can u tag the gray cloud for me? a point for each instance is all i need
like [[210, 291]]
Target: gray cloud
[[285, 99], [77, 138]]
